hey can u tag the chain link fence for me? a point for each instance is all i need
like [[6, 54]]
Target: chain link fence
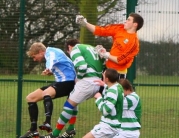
[[52, 22]]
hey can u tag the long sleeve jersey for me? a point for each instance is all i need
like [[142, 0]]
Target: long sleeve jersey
[[125, 46], [111, 105], [131, 112], [59, 64], [86, 61]]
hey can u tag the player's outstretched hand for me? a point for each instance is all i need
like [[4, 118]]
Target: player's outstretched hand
[[81, 20], [104, 55], [98, 48], [97, 95], [99, 82], [102, 51], [47, 72]]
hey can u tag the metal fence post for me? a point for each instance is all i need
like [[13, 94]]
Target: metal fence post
[[20, 69], [132, 70]]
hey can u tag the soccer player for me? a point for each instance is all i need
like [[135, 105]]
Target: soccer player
[[89, 67], [110, 104], [58, 64], [125, 41], [130, 126]]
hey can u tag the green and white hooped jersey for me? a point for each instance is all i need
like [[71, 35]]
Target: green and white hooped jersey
[[111, 105], [131, 112], [86, 61]]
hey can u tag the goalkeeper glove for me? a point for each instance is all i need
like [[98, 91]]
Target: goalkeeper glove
[[102, 51], [104, 55], [81, 20], [98, 48]]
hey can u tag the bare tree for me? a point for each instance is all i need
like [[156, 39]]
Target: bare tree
[[47, 21]]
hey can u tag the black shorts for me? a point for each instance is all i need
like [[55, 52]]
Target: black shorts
[[122, 76], [62, 88]]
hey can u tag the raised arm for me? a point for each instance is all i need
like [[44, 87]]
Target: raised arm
[[81, 20]]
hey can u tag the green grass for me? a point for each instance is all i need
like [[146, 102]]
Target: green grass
[[160, 116], [156, 80]]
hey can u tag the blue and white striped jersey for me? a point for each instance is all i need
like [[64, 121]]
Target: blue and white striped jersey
[[59, 64]]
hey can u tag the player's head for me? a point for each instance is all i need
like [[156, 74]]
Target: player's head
[[134, 21], [70, 43], [127, 86], [36, 51], [110, 75], [137, 19]]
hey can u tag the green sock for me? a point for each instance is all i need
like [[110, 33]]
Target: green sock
[[56, 132], [71, 127], [72, 120]]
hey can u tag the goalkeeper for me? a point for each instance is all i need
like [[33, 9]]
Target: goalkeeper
[[125, 41]]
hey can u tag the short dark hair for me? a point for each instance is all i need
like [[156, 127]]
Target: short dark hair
[[112, 75], [71, 42], [126, 84], [137, 19]]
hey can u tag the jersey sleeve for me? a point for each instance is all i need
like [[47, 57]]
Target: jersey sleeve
[[129, 102], [79, 62], [109, 30], [105, 105]]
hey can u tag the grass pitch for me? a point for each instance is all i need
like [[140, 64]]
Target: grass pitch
[[160, 112]]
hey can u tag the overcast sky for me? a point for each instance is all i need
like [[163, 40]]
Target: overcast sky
[[161, 20]]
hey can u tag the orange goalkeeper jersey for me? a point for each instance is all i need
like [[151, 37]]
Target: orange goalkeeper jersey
[[125, 46]]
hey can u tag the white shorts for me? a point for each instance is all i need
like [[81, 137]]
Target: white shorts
[[84, 89], [128, 134], [103, 130]]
